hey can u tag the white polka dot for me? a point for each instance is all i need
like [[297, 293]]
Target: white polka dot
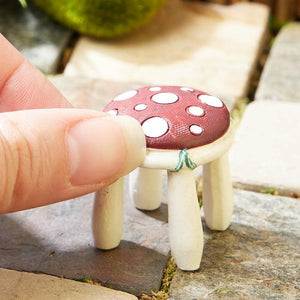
[[126, 95], [155, 89], [113, 112], [155, 127], [186, 89], [196, 129], [195, 111], [140, 107], [165, 98], [211, 100]]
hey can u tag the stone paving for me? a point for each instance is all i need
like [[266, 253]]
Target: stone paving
[[29, 286], [84, 92], [194, 44], [256, 258], [57, 240], [265, 153], [280, 78], [273, 139]]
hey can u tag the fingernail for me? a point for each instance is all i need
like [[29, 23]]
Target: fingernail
[[102, 149]]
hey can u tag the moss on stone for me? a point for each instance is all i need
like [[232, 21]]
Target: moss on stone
[[84, 279], [238, 111], [270, 191], [101, 18], [163, 293]]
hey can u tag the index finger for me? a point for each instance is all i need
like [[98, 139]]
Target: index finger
[[22, 86]]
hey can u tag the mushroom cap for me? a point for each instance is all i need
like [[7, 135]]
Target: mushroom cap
[[174, 117]]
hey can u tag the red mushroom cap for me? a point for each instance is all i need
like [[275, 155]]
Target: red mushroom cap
[[174, 117]]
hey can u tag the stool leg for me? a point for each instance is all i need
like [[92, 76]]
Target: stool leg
[[145, 186], [217, 193], [185, 227], [108, 216]]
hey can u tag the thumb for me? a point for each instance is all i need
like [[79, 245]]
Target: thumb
[[56, 154]]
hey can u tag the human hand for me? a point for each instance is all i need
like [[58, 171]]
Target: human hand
[[49, 151]]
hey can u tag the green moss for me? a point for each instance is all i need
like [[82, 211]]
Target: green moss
[[275, 25], [101, 18], [269, 191], [199, 187], [239, 110], [163, 293], [84, 279], [272, 41]]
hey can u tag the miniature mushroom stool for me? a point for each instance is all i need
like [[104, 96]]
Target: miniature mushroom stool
[[184, 128]]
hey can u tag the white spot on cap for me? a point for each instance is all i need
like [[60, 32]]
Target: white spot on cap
[[165, 98], [126, 95], [155, 127], [196, 129], [140, 107], [186, 89], [211, 100], [113, 112], [195, 111], [155, 89]]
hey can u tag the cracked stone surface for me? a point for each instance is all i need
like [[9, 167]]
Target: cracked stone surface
[[206, 46], [34, 34], [256, 258]]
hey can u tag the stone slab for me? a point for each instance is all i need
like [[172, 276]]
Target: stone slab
[[256, 258], [57, 240], [265, 152], [92, 93], [280, 80], [40, 40], [23, 285], [208, 46]]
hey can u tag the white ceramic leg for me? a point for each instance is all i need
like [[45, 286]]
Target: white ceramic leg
[[108, 216], [145, 187], [185, 227], [217, 193]]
